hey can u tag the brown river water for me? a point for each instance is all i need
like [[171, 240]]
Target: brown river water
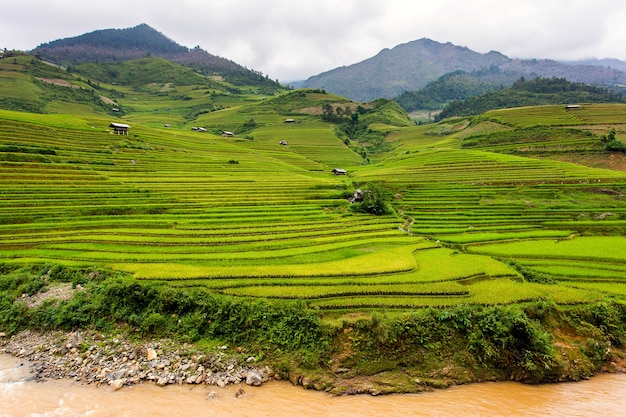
[[604, 395]]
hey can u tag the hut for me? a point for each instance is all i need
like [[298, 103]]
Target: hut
[[227, 134], [120, 128], [290, 120], [356, 197], [283, 142], [339, 171]]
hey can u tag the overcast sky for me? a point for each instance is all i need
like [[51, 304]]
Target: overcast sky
[[293, 39]]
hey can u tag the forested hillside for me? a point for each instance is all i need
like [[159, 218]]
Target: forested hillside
[[538, 91], [114, 45], [457, 85]]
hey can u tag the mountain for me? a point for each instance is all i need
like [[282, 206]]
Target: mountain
[[605, 62], [408, 66], [114, 45], [411, 66]]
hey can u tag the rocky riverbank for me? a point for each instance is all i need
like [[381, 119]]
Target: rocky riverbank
[[93, 358]]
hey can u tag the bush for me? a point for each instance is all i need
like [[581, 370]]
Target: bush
[[616, 146]]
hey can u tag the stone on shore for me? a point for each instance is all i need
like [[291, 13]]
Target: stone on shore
[[151, 354], [254, 378], [117, 384]]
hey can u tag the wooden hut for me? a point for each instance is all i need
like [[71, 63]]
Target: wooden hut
[[120, 128]]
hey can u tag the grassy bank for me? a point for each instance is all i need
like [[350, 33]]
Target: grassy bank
[[367, 352]]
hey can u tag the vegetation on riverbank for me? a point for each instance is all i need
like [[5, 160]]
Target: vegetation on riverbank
[[359, 353]]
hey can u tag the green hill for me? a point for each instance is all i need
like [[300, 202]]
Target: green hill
[[177, 93], [140, 72], [28, 84]]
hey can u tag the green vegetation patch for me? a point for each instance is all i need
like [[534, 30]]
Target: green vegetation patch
[[593, 248]]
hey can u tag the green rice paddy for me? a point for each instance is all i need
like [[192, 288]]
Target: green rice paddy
[[251, 217]]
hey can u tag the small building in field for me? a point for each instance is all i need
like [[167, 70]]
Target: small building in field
[[356, 197], [572, 107], [283, 142], [120, 128], [339, 171], [227, 134], [290, 120]]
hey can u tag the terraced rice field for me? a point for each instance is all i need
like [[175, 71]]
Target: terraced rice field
[[254, 218]]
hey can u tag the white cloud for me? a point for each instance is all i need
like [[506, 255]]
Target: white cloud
[[296, 39]]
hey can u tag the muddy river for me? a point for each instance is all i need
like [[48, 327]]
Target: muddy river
[[604, 395]]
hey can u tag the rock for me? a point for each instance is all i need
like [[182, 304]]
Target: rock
[[118, 362], [117, 384], [307, 383], [239, 392], [212, 395], [254, 378], [151, 354]]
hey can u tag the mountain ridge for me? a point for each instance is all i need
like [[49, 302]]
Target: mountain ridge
[[113, 45], [406, 67], [411, 66]]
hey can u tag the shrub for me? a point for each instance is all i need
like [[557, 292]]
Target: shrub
[[616, 146]]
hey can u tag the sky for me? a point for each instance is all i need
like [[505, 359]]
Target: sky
[[291, 40]]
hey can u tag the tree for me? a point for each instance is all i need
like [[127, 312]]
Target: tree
[[609, 137], [376, 199], [611, 142]]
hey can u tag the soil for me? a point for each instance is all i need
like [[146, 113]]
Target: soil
[[615, 161], [58, 81], [57, 291]]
